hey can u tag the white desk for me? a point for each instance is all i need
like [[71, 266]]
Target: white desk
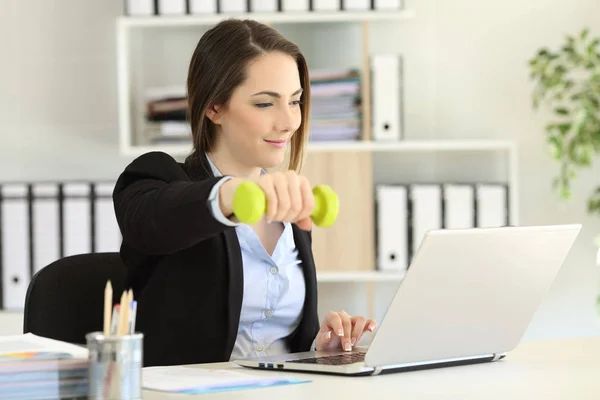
[[564, 369]]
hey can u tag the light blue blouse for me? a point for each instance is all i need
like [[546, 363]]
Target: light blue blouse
[[274, 287]]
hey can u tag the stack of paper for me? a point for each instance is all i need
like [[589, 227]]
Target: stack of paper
[[33, 367], [198, 380], [335, 105]]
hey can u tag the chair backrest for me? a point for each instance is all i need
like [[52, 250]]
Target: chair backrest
[[65, 299]]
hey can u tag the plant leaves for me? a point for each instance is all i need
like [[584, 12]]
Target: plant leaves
[[561, 111]]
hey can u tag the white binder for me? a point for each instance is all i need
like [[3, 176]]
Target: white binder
[[107, 233], [386, 86], [388, 5], [139, 7], [327, 5], [76, 218], [426, 211], [356, 4], [459, 201], [392, 227], [233, 6], [203, 6], [491, 205], [15, 246], [171, 7], [294, 5], [46, 228], [263, 5]]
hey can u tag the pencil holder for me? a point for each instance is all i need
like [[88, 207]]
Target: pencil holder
[[115, 367]]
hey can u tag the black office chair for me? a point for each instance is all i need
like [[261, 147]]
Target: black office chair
[[65, 299]]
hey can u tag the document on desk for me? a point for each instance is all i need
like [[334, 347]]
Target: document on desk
[[29, 345], [198, 380]]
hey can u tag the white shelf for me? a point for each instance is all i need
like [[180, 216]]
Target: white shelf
[[277, 17], [359, 276], [412, 145], [354, 146]]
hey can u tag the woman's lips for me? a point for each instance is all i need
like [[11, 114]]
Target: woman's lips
[[277, 143]]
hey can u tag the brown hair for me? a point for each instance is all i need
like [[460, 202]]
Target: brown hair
[[218, 66]]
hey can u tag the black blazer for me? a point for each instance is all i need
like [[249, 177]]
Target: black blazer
[[185, 267]]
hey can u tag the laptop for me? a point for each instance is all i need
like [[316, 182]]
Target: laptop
[[468, 297]]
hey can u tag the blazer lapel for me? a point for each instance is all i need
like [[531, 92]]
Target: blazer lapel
[[198, 168], [236, 286], [304, 335]]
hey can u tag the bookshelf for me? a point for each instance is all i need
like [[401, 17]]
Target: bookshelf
[[346, 252], [131, 31]]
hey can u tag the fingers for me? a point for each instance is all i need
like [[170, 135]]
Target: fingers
[[358, 327], [308, 199], [266, 183], [281, 184], [289, 198], [295, 195], [341, 330], [347, 324], [357, 331], [333, 322]]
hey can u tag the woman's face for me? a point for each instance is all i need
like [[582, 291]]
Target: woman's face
[[263, 113]]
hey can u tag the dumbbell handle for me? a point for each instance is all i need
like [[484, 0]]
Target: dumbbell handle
[[250, 204]]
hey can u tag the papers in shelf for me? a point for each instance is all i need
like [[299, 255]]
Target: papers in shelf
[[198, 380]]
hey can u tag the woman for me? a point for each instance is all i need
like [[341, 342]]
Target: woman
[[211, 289]]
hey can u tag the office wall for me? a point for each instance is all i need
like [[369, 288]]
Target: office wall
[[466, 76]]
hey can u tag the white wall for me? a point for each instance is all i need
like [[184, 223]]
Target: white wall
[[466, 76]]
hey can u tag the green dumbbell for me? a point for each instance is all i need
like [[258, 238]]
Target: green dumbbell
[[250, 204]]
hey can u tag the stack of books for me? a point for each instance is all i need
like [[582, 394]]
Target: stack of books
[[34, 368], [166, 110], [335, 109], [335, 105]]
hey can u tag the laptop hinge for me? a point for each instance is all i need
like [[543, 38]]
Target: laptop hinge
[[377, 371], [498, 356]]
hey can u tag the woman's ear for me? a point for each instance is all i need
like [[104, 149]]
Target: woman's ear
[[213, 113]]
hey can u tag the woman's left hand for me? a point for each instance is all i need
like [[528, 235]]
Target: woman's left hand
[[340, 331]]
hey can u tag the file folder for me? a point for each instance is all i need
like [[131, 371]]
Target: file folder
[[76, 218], [203, 6], [233, 6], [350, 5], [172, 7], [459, 206], [139, 7], [392, 227], [107, 236], [15, 237], [265, 6], [326, 5], [387, 5], [46, 225], [492, 205], [295, 5], [386, 73], [426, 212]]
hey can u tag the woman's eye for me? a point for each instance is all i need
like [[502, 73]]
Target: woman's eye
[[297, 102], [263, 105]]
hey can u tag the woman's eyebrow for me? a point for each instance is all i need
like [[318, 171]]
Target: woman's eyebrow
[[275, 94]]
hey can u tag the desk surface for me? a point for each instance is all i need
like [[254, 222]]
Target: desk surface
[[563, 369]]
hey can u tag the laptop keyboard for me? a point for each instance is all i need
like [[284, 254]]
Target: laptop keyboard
[[340, 359]]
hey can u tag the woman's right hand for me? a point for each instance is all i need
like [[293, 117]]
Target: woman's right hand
[[289, 197]]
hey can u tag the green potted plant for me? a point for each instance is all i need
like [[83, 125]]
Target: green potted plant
[[567, 82]]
